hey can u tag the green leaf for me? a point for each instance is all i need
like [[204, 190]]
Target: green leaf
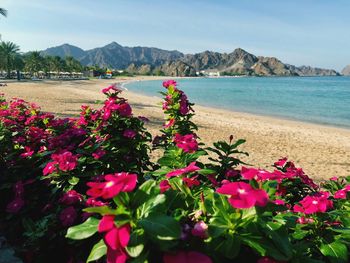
[[150, 205], [73, 180], [98, 251], [136, 243], [102, 210], [84, 230], [335, 251], [161, 227], [206, 171]]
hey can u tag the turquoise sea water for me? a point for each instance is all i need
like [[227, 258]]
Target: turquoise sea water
[[322, 100]]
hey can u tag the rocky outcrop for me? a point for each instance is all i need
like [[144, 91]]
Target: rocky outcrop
[[346, 71], [146, 60], [177, 69]]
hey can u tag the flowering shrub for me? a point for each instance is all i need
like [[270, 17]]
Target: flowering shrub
[[85, 189]]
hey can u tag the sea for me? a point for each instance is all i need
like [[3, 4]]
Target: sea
[[320, 100]]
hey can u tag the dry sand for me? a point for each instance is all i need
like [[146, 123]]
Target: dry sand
[[322, 151]]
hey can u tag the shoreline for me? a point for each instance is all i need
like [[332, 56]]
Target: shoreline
[[237, 111], [322, 151]]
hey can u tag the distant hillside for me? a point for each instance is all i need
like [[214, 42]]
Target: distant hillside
[[346, 71], [174, 63], [65, 50]]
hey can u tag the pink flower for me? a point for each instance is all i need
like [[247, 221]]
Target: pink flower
[[15, 206], [18, 188], [115, 183], [334, 178], [190, 182], [200, 230], [189, 169], [128, 133], [168, 83], [186, 142], [249, 173], [124, 109], [317, 203], [342, 193], [231, 173], [98, 154], [68, 216], [304, 220], [71, 197], [186, 257], [243, 195], [28, 152], [50, 168], [184, 107], [281, 162], [111, 88], [279, 202], [169, 123], [94, 202], [116, 238], [164, 186], [267, 260], [66, 161], [212, 179]]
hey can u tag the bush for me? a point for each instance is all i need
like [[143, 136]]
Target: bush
[[74, 185]]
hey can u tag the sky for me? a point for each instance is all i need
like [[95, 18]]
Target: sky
[[298, 32]]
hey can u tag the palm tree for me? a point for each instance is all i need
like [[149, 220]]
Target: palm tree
[[34, 62], [72, 64], [3, 12], [8, 52]]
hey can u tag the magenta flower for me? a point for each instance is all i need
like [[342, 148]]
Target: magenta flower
[[334, 178], [304, 220], [169, 123], [190, 182], [15, 206], [317, 203], [168, 83], [184, 107], [231, 173], [98, 154], [94, 202], [128, 133], [124, 109], [111, 88], [115, 183], [71, 197], [200, 230], [66, 161], [281, 162], [164, 186], [18, 188], [189, 169], [186, 257], [68, 216], [186, 142], [342, 193], [50, 168], [267, 260], [116, 238], [242, 195]]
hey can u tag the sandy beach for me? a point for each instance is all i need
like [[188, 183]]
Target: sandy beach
[[322, 151]]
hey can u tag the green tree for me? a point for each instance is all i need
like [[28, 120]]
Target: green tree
[[72, 64], [8, 51], [34, 62]]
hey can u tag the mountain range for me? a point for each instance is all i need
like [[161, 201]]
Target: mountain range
[[149, 60]]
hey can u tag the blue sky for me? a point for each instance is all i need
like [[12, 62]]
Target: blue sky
[[299, 32]]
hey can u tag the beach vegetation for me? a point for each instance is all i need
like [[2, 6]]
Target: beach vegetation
[[88, 189]]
